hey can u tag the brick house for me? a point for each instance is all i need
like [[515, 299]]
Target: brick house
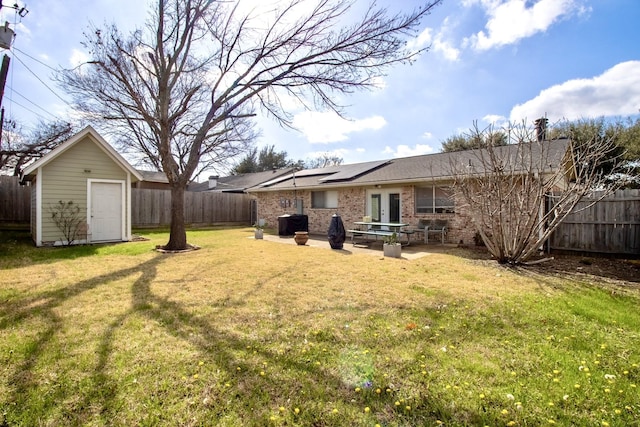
[[397, 190]]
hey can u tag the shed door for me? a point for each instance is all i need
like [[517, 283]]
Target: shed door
[[106, 211]]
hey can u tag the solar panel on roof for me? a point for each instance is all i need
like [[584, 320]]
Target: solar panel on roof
[[352, 171]]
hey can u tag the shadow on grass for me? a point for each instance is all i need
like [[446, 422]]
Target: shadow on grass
[[17, 250], [43, 306], [214, 342]]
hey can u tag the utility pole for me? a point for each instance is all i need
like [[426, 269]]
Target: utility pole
[[4, 70], [6, 39]]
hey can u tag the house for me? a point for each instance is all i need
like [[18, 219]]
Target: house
[[87, 171], [152, 180], [397, 190], [238, 183]]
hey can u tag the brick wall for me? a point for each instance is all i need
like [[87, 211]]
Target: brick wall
[[352, 207]]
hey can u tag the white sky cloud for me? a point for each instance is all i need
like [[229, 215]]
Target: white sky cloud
[[78, 57], [446, 49], [403, 150], [614, 92], [512, 20], [495, 120], [326, 127], [437, 43], [424, 39]]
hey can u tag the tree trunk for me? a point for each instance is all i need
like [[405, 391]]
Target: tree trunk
[[178, 234]]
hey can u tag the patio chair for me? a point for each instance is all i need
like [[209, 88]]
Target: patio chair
[[437, 226]]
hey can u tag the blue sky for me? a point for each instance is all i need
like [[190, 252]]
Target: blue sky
[[491, 61]]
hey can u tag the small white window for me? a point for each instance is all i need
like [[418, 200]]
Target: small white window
[[324, 199]]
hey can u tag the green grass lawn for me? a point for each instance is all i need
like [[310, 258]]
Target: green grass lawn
[[250, 332]]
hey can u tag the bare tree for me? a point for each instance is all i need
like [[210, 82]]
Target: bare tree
[[183, 90], [517, 195], [324, 160], [19, 148]]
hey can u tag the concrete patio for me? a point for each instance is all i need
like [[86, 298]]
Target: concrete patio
[[414, 251]]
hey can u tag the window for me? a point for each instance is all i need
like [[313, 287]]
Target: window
[[324, 199], [434, 200]]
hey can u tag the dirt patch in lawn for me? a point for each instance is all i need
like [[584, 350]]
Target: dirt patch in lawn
[[592, 269], [620, 272]]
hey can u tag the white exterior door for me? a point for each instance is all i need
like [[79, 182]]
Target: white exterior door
[[384, 205], [107, 211]]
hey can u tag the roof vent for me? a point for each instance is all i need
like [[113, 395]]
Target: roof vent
[[213, 181]]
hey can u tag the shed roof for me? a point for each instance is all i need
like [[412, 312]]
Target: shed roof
[[31, 170]]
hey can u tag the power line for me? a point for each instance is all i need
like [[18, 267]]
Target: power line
[[35, 59], [13, 101], [32, 103], [41, 81]]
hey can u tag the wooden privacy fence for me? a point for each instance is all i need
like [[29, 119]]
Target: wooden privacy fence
[[610, 226], [152, 208], [15, 200], [149, 208]]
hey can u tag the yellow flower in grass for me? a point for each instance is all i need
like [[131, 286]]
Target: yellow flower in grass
[[296, 411], [504, 412]]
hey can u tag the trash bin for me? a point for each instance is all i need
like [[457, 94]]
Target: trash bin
[[289, 224], [337, 234]]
